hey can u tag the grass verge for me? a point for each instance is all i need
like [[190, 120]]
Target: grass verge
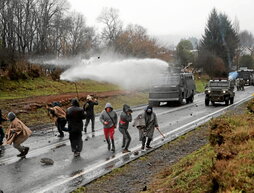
[[225, 165], [201, 83], [46, 86]]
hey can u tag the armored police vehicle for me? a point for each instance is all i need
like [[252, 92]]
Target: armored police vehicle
[[172, 87], [219, 91], [246, 74]]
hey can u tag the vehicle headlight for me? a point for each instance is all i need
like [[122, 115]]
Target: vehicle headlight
[[208, 91], [224, 91]]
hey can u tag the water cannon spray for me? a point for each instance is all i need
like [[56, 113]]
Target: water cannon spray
[[233, 75]]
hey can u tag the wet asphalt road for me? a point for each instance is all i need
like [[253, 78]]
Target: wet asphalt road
[[29, 175]]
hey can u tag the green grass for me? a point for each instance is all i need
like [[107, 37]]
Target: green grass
[[46, 86], [200, 85], [188, 175]]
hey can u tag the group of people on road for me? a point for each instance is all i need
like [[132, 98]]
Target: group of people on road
[[146, 122]]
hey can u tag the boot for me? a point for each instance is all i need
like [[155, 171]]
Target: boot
[[24, 152], [148, 143], [61, 135], [143, 143], [113, 145], [108, 144], [126, 151]]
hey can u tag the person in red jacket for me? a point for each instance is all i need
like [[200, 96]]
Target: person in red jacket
[[108, 118]]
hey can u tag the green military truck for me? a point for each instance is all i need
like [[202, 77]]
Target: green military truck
[[172, 87], [219, 91]]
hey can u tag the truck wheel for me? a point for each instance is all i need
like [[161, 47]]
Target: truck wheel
[[191, 99], [207, 101], [232, 100], [180, 100], [226, 102]]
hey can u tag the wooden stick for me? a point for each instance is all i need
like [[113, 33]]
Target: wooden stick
[[160, 132]]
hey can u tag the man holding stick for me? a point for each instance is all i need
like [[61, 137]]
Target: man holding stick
[[146, 123]]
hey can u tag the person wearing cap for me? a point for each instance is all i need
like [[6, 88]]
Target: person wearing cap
[[2, 119], [75, 116], [17, 133], [108, 118], [125, 119], [89, 110], [146, 123], [59, 116]]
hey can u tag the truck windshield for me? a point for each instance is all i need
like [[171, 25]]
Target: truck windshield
[[164, 80], [218, 84]]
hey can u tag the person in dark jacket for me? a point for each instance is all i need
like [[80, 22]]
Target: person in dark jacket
[[75, 116], [2, 119], [59, 116], [125, 118], [89, 109], [146, 123], [108, 118]]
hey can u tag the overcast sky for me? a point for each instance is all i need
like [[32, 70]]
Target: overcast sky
[[184, 18]]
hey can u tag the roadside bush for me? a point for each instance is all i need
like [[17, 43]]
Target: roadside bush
[[217, 133], [55, 75], [15, 74], [34, 72], [250, 106]]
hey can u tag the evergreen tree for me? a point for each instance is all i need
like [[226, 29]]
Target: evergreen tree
[[183, 52], [220, 40]]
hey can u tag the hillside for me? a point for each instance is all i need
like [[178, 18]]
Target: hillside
[[28, 98]]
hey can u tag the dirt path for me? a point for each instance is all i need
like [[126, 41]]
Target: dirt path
[[32, 103]]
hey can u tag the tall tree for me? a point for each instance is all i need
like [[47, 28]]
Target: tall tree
[[247, 41], [246, 61], [183, 53], [220, 40], [109, 17]]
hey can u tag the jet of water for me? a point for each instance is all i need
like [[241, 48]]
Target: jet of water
[[127, 73]]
